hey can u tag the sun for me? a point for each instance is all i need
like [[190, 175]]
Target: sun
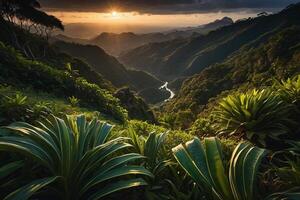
[[114, 13]]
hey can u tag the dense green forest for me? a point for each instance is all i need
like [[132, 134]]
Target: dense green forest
[[75, 123]]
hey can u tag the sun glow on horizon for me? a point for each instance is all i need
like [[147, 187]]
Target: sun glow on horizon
[[117, 21], [115, 14]]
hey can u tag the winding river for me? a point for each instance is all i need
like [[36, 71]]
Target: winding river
[[165, 87]]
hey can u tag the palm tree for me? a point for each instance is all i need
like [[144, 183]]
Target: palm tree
[[79, 156]]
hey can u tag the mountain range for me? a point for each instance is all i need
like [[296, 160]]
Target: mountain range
[[185, 57], [115, 43], [244, 55]]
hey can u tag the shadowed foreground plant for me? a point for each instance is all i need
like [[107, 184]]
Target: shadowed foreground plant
[[204, 163], [152, 148], [289, 89], [156, 160], [293, 194], [80, 159], [7, 170], [287, 170], [257, 115]]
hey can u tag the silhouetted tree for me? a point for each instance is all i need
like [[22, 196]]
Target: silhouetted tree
[[27, 15]]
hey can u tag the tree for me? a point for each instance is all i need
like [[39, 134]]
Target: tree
[[27, 15]]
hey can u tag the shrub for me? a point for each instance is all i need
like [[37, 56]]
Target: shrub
[[73, 101], [184, 119], [259, 115], [289, 90], [21, 71], [13, 108], [144, 128], [202, 127], [168, 120]]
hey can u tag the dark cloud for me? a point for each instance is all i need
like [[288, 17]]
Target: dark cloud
[[162, 6]]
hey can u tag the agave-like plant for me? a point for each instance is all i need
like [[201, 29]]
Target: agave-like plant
[[80, 158], [7, 170], [156, 161], [290, 89], [287, 165], [151, 147], [204, 163], [258, 115]]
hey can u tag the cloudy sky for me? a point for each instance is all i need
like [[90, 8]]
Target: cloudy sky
[[96, 16], [161, 6]]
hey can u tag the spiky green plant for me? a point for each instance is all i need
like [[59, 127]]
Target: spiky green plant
[[73, 101], [257, 115], [17, 100], [150, 147], [204, 163], [290, 89], [156, 161], [287, 164], [78, 155], [13, 108], [8, 169]]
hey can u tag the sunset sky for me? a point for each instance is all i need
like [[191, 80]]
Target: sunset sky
[[87, 18]]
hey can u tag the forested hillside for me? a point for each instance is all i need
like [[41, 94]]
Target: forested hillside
[[278, 57], [28, 60], [73, 127], [109, 66], [186, 57]]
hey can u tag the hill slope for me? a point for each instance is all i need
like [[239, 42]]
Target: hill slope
[[186, 57], [110, 68], [278, 57], [36, 64], [115, 44]]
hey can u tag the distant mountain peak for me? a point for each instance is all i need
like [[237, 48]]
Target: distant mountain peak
[[220, 22], [227, 19]]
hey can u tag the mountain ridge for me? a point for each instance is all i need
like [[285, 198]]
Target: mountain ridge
[[117, 43], [185, 57]]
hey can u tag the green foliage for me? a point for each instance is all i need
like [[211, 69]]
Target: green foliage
[[290, 90], [269, 55], [17, 100], [13, 108], [137, 108], [73, 101], [144, 128], [37, 106], [169, 181], [184, 119], [204, 163], [173, 138], [291, 194], [180, 120], [8, 169], [151, 147], [286, 172], [168, 120], [259, 115], [202, 127], [21, 71], [77, 155], [286, 165]]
